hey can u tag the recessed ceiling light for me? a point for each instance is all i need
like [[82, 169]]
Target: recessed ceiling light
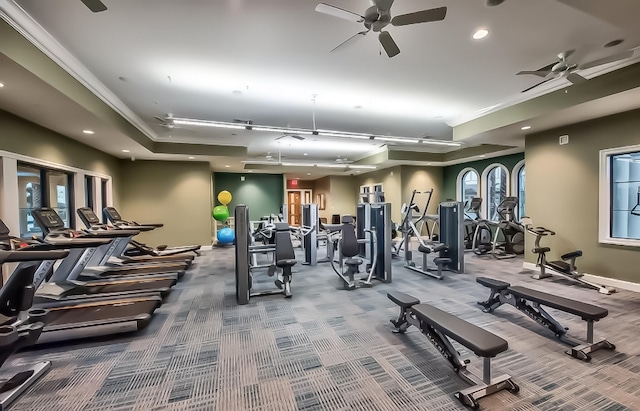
[[191, 157], [305, 154], [126, 151], [227, 165], [482, 156], [308, 174], [480, 34], [87, 131], [526, 128], [1, 85], [251, 171]]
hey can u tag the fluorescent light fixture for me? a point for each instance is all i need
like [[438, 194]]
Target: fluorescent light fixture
[[361, 166], [332, 165], [281, 130], [397, 139], [227, 165], [308, 174], [442, 143], [305, 154], [191, 157], [526, 128], [332, 133], [184, 122], [88, 132], [480, 34]]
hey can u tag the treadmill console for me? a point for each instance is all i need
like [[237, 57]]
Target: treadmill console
[[48, 219], [112, 214], [88, 216]]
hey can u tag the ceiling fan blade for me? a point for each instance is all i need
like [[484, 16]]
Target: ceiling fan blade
[[350, 40], [338, 12], [539, 73], [576, 78], [423, 16], [383, 5], [390, 47], [606, 60], [95, 6], [536, 85]]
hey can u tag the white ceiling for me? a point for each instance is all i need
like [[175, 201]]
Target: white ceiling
[[265, 60]]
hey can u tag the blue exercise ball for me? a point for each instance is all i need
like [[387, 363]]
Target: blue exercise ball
[[226, 235]]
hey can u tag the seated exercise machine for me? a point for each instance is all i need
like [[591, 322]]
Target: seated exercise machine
[[450, 246], [284, 257], [531, 301], [507, 233], [113, 216], [441, 327], [373, 219], [347, 245], [566, 266]]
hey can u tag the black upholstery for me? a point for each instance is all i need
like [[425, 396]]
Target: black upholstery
[[350, 246], [353, 261], [403, 300], [424, 249], [560, 266], [285, 255], [481, 342], [440, 247], [441, 260], [584, 310], [493, 283], [573, 254], [541, 250]]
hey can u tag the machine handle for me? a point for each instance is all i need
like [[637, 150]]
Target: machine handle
[[18, 256]]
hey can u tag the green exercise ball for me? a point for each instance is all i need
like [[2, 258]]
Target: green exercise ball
[[220, 213]]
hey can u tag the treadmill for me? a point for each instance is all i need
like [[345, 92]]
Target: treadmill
[[20, 325], [91, 317], [61, 287], [100, 261], [116, 219], [145, 254]]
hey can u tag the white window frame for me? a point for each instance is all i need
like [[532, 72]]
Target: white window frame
[[9, 201], [461, 174], [604, 201], [485, 186], [515, 173]]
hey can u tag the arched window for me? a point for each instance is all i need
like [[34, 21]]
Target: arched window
[[520, 191], [468, 185], [496, 189]]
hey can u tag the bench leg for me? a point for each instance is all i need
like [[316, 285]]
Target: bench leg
[[492, 302], [583, 350], [401, 323]]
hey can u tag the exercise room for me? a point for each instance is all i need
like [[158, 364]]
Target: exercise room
[[299, 205]]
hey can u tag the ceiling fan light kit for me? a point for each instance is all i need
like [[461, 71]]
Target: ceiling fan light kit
[[377, 17]]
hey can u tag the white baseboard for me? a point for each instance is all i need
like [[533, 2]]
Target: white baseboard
[[621, 284], [206, 247]]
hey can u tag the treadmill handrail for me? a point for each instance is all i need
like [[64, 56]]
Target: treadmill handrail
[[21, 255]]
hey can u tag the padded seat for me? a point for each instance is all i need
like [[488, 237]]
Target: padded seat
[[573, 254], [560, 266], [286, 263], [353, 261], [424, 249], [480, 341], [441, 260], [541, 250], [493, 283], [403, 300], [586, 311]]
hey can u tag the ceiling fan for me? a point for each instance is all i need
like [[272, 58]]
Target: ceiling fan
[[95, 6], [295, 136], [377, 17], [565, 68]]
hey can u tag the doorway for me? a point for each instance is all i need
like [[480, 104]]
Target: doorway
[[295, 199]]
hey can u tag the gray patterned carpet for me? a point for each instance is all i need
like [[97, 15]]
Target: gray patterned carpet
[[329, 349]]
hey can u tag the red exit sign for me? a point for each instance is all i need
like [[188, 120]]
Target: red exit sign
[[292, 183]]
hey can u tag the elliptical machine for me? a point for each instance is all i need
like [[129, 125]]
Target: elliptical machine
[[566, 266], [503, 238]]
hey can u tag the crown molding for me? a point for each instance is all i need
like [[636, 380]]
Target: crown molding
[[28, 28]]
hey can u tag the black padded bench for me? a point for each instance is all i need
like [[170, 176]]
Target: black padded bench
[[439, 327], [531, 301]]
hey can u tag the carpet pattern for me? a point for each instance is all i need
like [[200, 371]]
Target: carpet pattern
[[331, 349]]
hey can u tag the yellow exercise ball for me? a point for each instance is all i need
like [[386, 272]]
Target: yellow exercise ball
[[224, 197]]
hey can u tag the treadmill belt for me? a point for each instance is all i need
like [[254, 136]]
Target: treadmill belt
[[103, 312]]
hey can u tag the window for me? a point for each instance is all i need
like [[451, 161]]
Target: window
[[59, 188], [625, 185], [88, 192], [520, 190], [104, 188], [30, 189], [469, 186], [496, 183]]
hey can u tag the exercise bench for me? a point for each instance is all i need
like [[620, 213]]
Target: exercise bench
[[439, 327], [531, 301]]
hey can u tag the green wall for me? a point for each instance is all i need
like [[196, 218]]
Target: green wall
[[263, 193], [450, 173]]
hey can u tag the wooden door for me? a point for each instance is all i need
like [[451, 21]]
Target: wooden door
[[295, 209]]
